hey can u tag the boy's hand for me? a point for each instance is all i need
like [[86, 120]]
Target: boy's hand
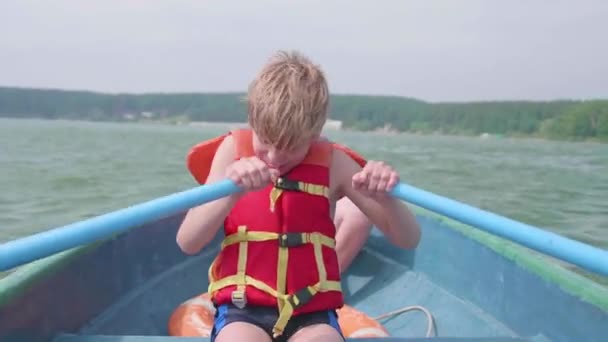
[[251, 173], [376, 180]]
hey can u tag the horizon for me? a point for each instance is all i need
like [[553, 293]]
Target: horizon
[[332, 94], [432, 50]]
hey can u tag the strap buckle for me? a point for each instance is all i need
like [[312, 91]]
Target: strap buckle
[[291, 239], [301, 297], [287, 184], [239, 299]]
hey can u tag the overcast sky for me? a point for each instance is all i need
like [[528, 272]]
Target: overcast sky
[[450, 50]]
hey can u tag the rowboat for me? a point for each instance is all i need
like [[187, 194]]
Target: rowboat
[[475, 276]]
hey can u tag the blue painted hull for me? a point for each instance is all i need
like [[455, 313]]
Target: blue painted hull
[[475, 285]]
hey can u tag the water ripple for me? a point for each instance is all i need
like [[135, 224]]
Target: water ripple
[[57, 172]]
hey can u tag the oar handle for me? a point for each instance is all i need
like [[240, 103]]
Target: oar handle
[[577, 253], [40, 245]]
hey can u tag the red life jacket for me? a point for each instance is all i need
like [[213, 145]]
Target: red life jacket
[[279, 247]]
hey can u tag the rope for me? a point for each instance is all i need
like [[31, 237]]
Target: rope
[[431, 322]]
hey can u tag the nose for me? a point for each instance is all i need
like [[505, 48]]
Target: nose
[[273, 157]]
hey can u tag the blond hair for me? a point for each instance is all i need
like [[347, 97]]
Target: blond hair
[[288, 100]]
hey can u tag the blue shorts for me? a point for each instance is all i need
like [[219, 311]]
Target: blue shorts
[[266, 317]]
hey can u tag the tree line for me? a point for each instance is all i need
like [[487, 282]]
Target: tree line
[[563, 119]]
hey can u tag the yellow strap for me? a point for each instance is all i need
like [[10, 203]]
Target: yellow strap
[[232, 280], [244, 236], [275, 193], [288, 309], [210, 274], [318, 249], [242, 264], [282, 274], [285, 302], [310, 188], [239, 237], [323, 285], [328, 285], [318, 238], [314, 189]]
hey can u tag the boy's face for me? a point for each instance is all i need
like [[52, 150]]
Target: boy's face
[[281, 159]]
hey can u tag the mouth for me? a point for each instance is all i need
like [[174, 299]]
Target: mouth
[[278, 167], [281, 168]]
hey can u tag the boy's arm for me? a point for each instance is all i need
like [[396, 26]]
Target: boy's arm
[[202, 223], [353, 228], [390, 215]]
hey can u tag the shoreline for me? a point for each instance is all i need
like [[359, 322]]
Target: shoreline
[[332, 125]]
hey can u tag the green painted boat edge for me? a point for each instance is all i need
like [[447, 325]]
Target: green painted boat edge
[[21, 279], [541, 265]]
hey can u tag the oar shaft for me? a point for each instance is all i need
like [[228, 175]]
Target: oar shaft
[[585, 256], [34, 247]]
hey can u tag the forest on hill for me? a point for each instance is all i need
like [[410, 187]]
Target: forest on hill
[[563, 119]]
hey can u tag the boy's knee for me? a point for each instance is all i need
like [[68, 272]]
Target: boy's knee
[[241, 331], [317, 333]]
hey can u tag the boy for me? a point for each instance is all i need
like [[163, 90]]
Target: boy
[[279, 249]]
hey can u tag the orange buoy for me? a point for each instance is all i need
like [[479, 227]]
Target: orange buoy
[[194, 318], [356, 324]]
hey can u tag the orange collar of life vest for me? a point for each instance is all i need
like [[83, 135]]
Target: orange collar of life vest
[[200, 156]]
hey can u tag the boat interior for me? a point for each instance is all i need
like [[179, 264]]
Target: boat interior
[[126, 288]]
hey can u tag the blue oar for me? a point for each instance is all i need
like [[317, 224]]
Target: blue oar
[[43, 244], [34, 247], [585, 256]]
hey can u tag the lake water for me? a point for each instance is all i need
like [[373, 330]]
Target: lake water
[[57, 172]]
